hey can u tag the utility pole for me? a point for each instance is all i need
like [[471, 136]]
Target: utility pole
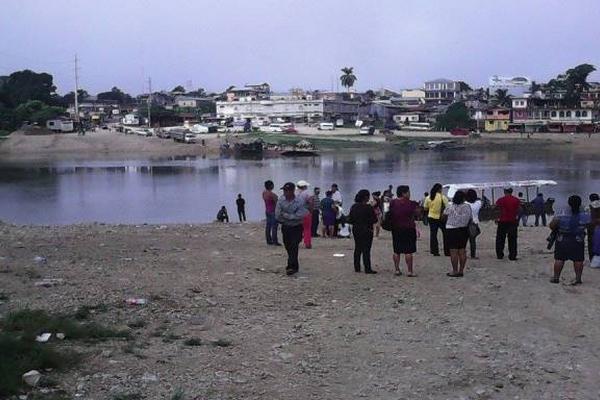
[[76, 93], [149, 100]]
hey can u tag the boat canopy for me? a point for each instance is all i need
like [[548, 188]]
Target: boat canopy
[[453, 187]]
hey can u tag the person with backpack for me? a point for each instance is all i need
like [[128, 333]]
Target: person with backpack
[[570, 239]]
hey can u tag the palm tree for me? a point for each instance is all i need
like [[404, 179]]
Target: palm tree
[[348, 78], [502, 98]]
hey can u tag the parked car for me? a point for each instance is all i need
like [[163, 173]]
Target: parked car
[[144, 132], [367, 130], [163, 134], [326, 126], [290, 129], [459, 132], [189, 138]]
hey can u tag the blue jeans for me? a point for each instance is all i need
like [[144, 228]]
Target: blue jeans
[[271, 229]]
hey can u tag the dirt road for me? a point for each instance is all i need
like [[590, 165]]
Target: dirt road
[[501, 332]]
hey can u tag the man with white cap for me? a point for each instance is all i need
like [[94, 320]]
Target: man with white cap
[[290, 211], [304, 196]]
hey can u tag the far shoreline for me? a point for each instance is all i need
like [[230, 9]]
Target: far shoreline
[[20, 148]]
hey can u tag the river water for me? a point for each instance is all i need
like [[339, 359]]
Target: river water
[[192, 189]]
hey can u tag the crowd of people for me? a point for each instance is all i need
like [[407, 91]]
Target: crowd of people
[[300, 211]]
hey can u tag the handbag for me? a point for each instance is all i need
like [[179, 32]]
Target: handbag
[[474, 230]]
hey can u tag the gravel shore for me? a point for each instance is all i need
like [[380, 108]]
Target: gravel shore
[[501, 332]]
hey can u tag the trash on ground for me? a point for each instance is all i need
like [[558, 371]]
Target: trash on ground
[[48, 282], [339, 255], [136, 301], [32, 378], [60, 336], [40, 259], [43, 338]]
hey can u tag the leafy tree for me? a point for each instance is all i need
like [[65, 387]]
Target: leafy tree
[[534, 87], [502, 98], [22, 86], [179, 89], [348, 78], [197, 93], [69, 98], [456, 116], [36, 111], [370, 95], [115, 94]]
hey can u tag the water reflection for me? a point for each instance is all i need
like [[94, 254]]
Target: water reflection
[[190, 189]]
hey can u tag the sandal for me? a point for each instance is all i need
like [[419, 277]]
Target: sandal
[[453, 275], [398, 273], [554, 280], [575, 282], [413, 275]]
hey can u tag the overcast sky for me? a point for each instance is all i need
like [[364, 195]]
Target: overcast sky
[[295, 43]]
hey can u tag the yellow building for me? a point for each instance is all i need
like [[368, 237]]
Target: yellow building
[[497, 119]]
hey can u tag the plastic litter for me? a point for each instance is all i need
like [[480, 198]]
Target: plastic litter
[[40, 259], [339, 255], [48, 282], [60, 336], [43, 338], [32, 378], [136, 301]]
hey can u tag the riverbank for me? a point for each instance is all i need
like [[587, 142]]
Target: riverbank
[[223, 321], [21, 146]]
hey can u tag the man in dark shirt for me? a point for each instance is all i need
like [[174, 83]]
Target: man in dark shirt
[[241, 208], [538, 209], [508, 223], [290, 212], [222, 215]]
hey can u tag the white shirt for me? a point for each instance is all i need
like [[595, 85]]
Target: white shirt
[[475, 207], [337, 197]]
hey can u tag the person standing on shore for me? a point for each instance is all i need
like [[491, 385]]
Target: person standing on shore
[[316, 204], [338, 200], [475, 204], [508, 224], [538, 209], [595, 216], [270, 200], [458, 215], [241, 208], [523, 217], [362, 217], [304, 196], [403, 212], [570, 241], [422, 205], [434, 206], [290, 212], [377, 205], [328, 215]]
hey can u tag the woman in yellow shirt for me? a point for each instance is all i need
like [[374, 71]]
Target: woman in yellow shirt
[[434, 206]]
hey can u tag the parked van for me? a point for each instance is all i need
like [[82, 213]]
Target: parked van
[[418, 126], [60, 125], [326, 126], [277, 127]]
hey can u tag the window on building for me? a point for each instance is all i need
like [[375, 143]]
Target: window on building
[[577, 114], [568, 114], [584, 114], [561, 114], [545, 114], [553, 114]]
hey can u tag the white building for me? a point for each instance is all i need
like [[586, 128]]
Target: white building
[[271, 110], [506, 82]]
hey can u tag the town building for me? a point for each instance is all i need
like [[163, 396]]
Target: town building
[[260, 91], [497, 119], [443, 91]]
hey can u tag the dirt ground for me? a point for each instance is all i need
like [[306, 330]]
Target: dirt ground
[[501, 332]]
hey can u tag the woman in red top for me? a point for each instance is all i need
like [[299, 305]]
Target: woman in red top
[[403, 212]]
